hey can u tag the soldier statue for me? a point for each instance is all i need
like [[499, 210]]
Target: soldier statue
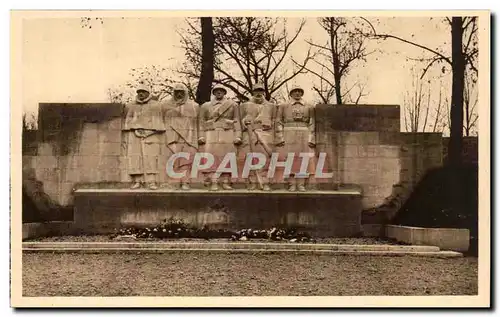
[[257, 117], [180, 116], [295, 133], [143, 128], [220, 133]]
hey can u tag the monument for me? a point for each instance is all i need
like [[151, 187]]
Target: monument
[[137, 164]]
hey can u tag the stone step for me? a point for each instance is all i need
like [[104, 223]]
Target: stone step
[[320, 213], [229, 246], [437, 254]]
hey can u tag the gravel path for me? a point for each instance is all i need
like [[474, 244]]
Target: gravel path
[[202, 274]]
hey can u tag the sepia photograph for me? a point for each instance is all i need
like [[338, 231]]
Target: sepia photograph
[[250, 158]]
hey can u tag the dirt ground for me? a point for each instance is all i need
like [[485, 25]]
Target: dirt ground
[[216, 274]]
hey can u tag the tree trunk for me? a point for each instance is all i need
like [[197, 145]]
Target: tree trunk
[[457, 95], [338, 90], [204, 89], [455, 186]]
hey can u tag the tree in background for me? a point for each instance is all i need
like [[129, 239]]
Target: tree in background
[[246, 50], [421, 112], [463, 59], [157, 77], [204, 89], [345, 49], [470, 106]]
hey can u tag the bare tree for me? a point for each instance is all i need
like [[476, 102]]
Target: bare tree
[[416, 105], [120, 94], [464, 53], [247, 50], [346, 46], [470, 106], [158, 78], [439, 113], [421, 112]]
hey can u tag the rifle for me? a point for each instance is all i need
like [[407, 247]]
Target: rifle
[[143, 159], [250, 141]]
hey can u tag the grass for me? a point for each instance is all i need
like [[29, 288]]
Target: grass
[[202, 274]]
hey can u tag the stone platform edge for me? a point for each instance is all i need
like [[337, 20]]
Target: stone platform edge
[[168, 191], [43, 229], [236, 247], [453, 239]]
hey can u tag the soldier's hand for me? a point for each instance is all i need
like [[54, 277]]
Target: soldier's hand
[[237, 141], [311, 145], [201, 141]]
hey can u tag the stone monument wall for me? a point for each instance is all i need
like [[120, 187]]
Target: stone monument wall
[[365, 147], [81, 145]]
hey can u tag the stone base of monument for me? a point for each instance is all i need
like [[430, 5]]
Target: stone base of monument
[[320, 213]]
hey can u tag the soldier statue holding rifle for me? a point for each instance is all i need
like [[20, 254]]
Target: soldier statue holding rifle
[[257, 117]]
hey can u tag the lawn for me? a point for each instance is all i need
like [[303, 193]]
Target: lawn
[[216, 274]]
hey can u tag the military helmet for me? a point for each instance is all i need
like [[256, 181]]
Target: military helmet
[[257, 87], [143, 87], [297, 88], [179, 87], [219, 87]]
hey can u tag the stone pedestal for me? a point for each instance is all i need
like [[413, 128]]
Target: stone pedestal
[[321, 213]]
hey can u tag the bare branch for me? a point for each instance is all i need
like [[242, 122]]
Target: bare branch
[[434, 60], [300, 71], [287, 46], [386, 36]]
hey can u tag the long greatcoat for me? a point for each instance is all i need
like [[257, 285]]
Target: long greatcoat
[[219, 127], [143, 153], [181, 130], [262, 115], [295, 125]]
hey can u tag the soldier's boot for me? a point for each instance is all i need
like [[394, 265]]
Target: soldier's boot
[[251, 183], [185, 181], [301, 185], [151, 180], [135, 185], [226, 184], [265, 181], [136, 182], [291, 185], [214, 186], [213, 182]]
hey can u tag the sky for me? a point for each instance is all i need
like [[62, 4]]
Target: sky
[[65, 62]]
